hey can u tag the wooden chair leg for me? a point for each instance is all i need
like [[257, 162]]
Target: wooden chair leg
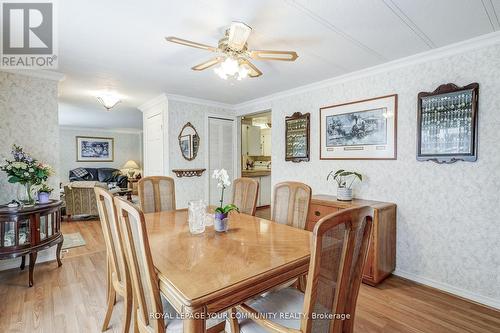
[[233, 321], [127, 318], [136, 327], [109, 311]]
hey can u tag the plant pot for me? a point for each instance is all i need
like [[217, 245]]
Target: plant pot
[[221, 222], [344, 194], [43, 197]]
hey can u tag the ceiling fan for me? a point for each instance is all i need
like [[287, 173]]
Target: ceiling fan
[[233, 55]]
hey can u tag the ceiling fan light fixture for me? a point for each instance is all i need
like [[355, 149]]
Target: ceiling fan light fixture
[[109, 100], [243, 73], [232, 68], [238, 35]]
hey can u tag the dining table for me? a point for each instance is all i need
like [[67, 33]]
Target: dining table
[[211, 272]]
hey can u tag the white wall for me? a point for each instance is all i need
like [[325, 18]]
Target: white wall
[[128, 146], [179, 113], [29, 118], [448, 233]]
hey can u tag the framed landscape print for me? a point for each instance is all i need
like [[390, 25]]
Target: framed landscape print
[[94, 149], [359, 130], [447, 124], [297, 127]]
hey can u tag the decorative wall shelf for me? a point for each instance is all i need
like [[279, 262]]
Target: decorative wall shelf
[[188, 172]]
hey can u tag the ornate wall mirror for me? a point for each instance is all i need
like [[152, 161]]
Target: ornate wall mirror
[[189, 142]]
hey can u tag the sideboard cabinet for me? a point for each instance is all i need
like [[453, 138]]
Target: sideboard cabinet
[[381, 260]]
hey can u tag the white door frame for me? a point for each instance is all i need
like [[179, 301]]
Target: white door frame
[[236, 172]]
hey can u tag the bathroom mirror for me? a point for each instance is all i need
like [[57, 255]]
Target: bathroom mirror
[[189, 142]]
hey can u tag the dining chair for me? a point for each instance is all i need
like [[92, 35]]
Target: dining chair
[[291, 201], [338, 254], [245, 193], [118, 278], [145, 284], [156, 194]]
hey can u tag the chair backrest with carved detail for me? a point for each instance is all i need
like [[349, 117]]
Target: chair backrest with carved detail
[[338, 255], [144, 279], [291, 201], [245, 193], [118, 269], [156, 194]]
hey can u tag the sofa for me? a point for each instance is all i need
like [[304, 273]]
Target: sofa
[[80, 198], [103, 175]]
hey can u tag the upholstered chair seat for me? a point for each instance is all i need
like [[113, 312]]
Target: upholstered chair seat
[[284, 307]]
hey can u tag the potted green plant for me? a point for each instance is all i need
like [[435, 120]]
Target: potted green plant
[[221, 212], [27, 171], [44, 193], [345, 179]]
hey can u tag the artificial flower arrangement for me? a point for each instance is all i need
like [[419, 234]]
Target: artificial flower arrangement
[[26, 170], [222, 212]]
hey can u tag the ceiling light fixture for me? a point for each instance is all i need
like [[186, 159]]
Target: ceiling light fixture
[[231, 68], [108, 99]]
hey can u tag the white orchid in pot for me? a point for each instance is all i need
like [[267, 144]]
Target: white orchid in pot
[[221, 212], [345, 179]]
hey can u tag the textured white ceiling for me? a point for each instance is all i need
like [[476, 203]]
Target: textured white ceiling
[[120, 45]]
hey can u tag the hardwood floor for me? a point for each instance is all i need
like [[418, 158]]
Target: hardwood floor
[[72, 299]]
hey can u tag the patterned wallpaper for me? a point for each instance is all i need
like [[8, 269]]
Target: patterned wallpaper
[[179, 113], [447, 229], [28, 117]]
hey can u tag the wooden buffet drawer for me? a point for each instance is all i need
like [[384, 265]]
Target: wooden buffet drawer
[[317, 212]]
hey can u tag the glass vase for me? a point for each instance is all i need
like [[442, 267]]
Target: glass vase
[[25, 195]]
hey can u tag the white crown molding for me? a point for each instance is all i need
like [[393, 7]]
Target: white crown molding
[[38, 73], [98, 129], [162, 98], [442, 52], [200, 101], [484, 300]]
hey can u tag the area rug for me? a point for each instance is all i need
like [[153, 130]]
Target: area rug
[[73, 240]]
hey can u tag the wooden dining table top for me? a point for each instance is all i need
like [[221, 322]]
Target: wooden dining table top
[[211, 263]]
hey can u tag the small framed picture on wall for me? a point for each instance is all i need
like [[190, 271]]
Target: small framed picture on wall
[[360, 130], [94, 149]]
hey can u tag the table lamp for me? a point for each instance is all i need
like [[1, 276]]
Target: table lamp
[[131, 167]]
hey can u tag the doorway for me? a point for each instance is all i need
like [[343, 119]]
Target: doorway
[[256, 151]]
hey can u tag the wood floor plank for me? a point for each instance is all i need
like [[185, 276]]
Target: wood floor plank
[[71, 298]]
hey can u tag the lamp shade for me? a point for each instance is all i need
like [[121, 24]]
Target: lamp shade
[[131, 164]]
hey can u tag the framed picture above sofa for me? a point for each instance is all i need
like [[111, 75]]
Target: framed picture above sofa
[[94, 149], [360, 130]]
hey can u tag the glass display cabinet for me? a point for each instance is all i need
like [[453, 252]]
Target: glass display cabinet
[[27, 230], [297, 131]]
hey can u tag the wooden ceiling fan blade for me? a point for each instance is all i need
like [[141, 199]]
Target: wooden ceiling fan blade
[[274, 55], [207, 64], [252, 70], [190, 43]]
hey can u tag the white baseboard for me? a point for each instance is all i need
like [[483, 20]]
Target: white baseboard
[[43, 256], [488, 301]]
